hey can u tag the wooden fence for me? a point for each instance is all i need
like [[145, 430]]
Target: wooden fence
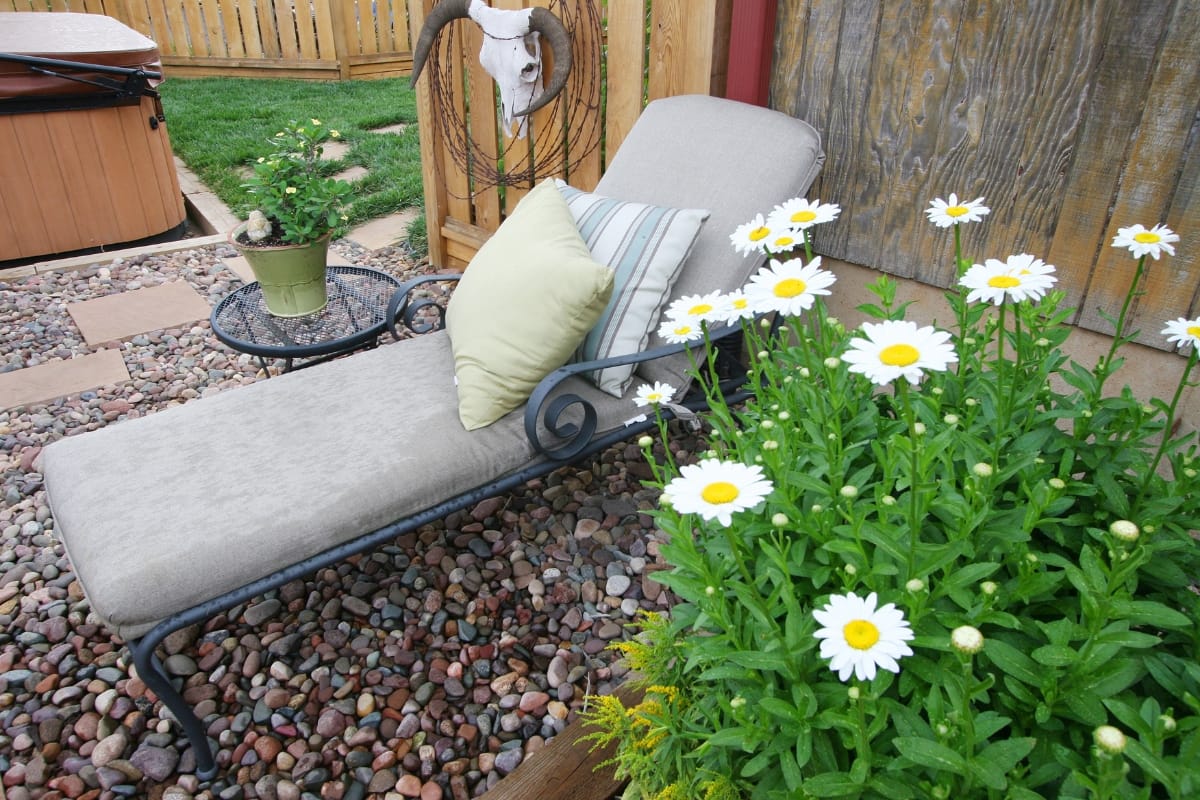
[[321, 39], [1072, 118], [649, 50]]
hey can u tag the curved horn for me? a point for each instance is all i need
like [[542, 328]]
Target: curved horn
[[551, 27], [443, 13]]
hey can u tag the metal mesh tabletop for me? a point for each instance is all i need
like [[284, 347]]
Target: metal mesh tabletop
[[355, 315]]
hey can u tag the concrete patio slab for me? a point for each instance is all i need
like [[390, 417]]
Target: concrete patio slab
[[332, 151], [398, 128], [352, 174], [118, 316], [384, 232], [59, 378]]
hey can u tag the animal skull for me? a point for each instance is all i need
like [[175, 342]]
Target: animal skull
[[511, 53]]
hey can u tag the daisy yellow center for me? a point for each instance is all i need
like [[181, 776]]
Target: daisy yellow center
[[683, 330], [759, 233], [1193, 330], [899, 355], [784, 241], [740, 303], [700, 308], [956, 211], [654, 397], [1003, 282], [861, 634], [719, 492], [790, 287], [804, 216], [1147, 237]]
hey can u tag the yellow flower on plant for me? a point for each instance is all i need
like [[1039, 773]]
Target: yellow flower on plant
[[799, 214], [857, 637], [334, 134], [945, 213], [898, 348], [715, 489], [752, 237], [1151, 242], [1183, 332], [1022, 277], [290, 190], [788, 287], [315, 121]]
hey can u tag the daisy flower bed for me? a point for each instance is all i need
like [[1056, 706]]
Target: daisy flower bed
[[909, 566]]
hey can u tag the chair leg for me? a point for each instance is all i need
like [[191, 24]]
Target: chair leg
[[154, 676]]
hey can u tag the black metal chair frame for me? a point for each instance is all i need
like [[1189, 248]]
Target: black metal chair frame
[[577, 440]]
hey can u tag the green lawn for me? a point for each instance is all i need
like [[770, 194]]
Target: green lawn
[[219, 125]]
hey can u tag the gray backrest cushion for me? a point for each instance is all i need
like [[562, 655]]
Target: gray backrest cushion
[[696, 151]]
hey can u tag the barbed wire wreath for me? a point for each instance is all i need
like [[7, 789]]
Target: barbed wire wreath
[[506, 163]]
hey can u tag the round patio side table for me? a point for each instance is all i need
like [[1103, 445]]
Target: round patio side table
[[354, 318]]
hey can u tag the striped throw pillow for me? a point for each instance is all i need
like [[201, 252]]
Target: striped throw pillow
[[645, 246]]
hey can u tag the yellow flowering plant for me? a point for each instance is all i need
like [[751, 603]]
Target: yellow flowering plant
[[297, 202], [922, 561]]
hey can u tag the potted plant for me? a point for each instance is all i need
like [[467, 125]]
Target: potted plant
[[286, 238], [922, 562]]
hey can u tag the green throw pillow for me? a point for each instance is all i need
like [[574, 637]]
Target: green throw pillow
[[523, 305]]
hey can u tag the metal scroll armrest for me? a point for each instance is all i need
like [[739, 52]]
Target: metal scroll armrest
[[401, 306], [545, 410]]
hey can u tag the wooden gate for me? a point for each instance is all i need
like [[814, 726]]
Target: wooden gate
[[644, 50]]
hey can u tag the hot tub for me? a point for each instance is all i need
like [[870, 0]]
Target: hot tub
[[87, 163]]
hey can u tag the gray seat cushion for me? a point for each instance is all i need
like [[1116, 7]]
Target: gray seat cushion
[[163, 512]]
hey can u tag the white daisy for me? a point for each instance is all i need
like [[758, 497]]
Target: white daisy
[[788, 287], [715, 489], [898, 348], [677, 331], [857, 637], [696, 308], [751, 237], [1142, 242], [1019, 278], [1183, 332], [799, 214], [652, 395], [785, 241], [735, 306], [954, 212]]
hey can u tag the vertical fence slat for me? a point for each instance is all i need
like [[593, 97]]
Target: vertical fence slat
[[368, 33], [285, 27], [548, 125], [485, 201], [626, 60], [267, 33], [306, 30], [588, 55], [326, 39], [234, 43], [401, 36], [197, 41]]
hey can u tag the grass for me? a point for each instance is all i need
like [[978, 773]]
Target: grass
[[221, 125]]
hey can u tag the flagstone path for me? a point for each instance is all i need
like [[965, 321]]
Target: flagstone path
[[106, 321]]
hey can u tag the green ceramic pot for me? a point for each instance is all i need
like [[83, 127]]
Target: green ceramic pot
[[292, 276]]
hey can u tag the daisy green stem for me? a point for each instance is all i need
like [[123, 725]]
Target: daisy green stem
[[808, 253], [962, 303], [1104, 370], [862, 745], [914, 501], [1168, 425], [1003, 390]]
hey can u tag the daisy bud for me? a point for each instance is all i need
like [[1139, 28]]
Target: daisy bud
[[832, 363], [739, 433], [887, 500], [851, 569], [770, 444], [664, 500], [767, 424], [915, 585], [804, 372], [1109, 739], [940, 792], [848, 491], [950, 419], [645, 441], [919, 428], [988, 588], [758, 459], [710, 590], [764, 323], [1124, 530], [1058, 484], [763, 355], [1042, 342], [970, 402], [1189, 472], [834, 321], [966, 639], [774, 406], [787, 378], [937, 391], [969, 340], [737, 702], [817, 508], [982, 470], [779, 520], [1167, 722], [1039, 460], [1147, 409], [942, 729], [854, 693], [1147, 529], [1086, 414], [784, 416], [710, 453]]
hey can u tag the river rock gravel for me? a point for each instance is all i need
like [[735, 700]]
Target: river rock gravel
[[429, 668]]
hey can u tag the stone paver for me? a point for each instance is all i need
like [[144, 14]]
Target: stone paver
[[117, 316], [58, 378], [332, 151], [398, 128], [385, 231], [352, 173]]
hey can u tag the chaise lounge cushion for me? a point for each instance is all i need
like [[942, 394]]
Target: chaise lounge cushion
[[645, 245], [250, 480], [526, 300]]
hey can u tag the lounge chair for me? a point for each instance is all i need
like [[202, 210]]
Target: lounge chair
[[175, 517]]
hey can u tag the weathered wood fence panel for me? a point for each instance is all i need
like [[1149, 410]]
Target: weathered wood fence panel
[[654, 49], [1073, 119], [322, 39]]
